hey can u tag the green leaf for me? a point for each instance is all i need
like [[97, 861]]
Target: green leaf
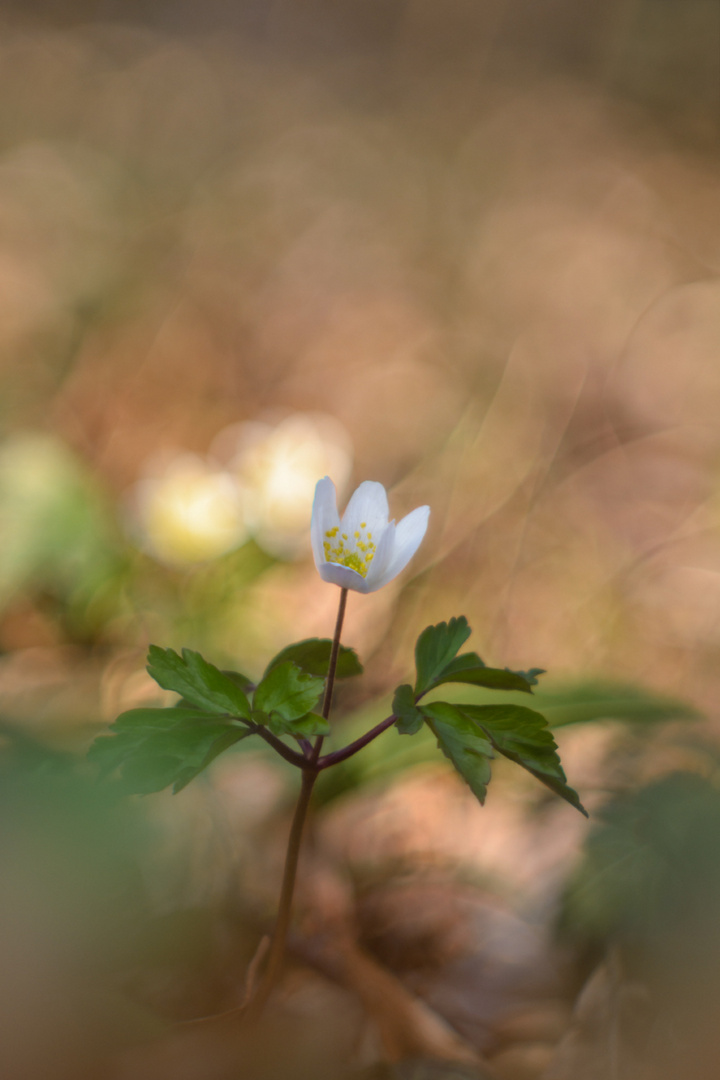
[[531, 675], [435, 648], [586, 702], [304, 727], [242, 681], [523, 736], [469, 668], [463, 743], [245, 683], [222, 743], [154, 748], [313, 656], [197, 681], [650, 874], [288, 691], [409, 718]]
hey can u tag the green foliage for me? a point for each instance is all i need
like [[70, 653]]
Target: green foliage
[[650, 878], [409, 718], [463, 743], [154, 748], [531, 675], [313, 656], [288, 692], [466, 733], [246, 684], [200, 683], [523, 736], [590, 701], [302, 727], [470, 735], [437, 663], [285, 699], [469, 668], [59, 537], [435, 648]]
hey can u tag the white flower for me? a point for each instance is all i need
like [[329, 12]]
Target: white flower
[[188, 511], [277, 467], [363, 551]]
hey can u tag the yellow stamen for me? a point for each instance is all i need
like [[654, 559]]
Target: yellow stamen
[[356, 556]]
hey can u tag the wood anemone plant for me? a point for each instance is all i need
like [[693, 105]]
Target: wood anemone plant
[[289, 707]]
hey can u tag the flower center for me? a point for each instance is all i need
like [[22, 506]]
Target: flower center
[[356, 553]]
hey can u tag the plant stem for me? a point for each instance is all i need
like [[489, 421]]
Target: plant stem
[[327, 700], [277, 947], [352, 748], [330, 684], [309, 776], [300, 760]]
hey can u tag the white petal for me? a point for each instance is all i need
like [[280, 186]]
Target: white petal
[[343, 576], [408, 537], [376, 570], [324, 517], [368, 505]]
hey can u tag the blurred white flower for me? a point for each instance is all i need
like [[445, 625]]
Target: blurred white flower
[[258, 480], [363, 551], [189, 511], [277, 466]]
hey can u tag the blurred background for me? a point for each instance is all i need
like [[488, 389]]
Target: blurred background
[[469, 249]]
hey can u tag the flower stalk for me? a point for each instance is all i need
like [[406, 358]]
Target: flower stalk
[[362, 551], [310, 770], [292, 856]]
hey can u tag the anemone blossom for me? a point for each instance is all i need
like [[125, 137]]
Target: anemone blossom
[[362, 551]]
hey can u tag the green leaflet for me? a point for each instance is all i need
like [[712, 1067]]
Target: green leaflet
[[154, 748], [197, 681], [409, 718], [523, 736], [437, 663], [313, 657], [288, 691], [460, 741], [469, 668], [470, 735], [435, 648], [302, 727]]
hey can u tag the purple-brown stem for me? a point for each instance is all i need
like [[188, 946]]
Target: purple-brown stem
[[277, 744], [352, 748], [309, 776]]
